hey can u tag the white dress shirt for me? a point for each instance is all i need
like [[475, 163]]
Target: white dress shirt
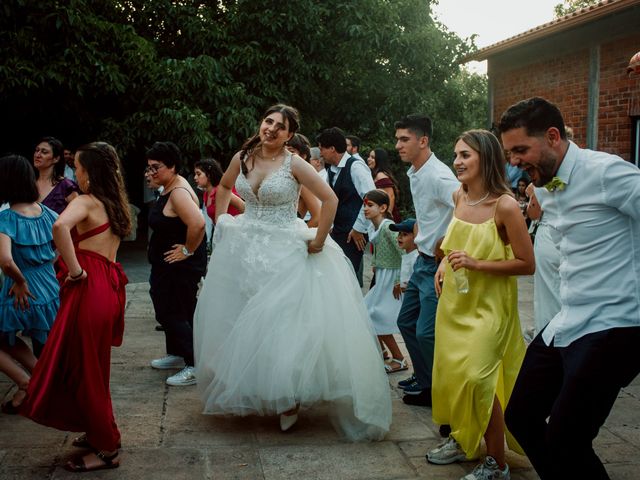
[[596, 220], [70, 173], [432, 187], [362, 181]]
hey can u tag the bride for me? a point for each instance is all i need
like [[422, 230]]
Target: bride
[[280, 323]]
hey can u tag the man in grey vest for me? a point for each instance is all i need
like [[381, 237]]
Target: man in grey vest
[[350, 179]]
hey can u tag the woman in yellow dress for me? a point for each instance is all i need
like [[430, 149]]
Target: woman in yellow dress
[[478, 342]]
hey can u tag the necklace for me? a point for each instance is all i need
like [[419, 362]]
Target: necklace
[[477, 202], [272, 159]]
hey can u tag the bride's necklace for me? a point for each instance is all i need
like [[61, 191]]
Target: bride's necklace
[[477, 202], [271, 159]]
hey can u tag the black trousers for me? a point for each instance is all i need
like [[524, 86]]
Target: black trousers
[[575, 387], [174, 295], [352, 253]]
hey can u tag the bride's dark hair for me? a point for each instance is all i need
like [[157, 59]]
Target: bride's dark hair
[[289, 114]]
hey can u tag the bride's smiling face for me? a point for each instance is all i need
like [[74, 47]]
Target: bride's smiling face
[[274, 130]]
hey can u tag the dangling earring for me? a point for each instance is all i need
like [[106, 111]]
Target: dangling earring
[[86, 186]]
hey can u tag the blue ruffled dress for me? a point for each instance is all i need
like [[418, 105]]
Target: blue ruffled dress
[[33, 252]]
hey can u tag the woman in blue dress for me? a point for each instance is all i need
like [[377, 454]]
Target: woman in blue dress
[[29, 293]]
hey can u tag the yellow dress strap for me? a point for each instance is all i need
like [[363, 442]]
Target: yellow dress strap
[[495, 207]]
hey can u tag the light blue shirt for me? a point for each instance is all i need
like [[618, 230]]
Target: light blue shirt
[[432, 187], [596, 221]]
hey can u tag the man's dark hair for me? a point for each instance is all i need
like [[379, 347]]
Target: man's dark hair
[[355, 141], [17, 180], [333, 137], [536, 115], [167, 153], [416, 123]]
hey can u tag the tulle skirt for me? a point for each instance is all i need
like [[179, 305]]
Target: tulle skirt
[[276, 327]]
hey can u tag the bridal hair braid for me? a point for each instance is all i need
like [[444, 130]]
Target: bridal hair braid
[[492, 160], [290, 116], [379, 197], [106, 182]]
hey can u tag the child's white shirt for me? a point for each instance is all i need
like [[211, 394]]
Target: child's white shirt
[[406, 269]]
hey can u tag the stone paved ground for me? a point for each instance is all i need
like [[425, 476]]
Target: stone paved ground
[[164, 435]]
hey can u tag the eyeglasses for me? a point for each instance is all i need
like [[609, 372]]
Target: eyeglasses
[[153, 169]]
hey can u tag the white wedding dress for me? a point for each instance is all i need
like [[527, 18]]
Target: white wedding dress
[[276, 326]]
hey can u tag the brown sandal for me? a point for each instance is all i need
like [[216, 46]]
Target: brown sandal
[[82, 442], [78, 465]]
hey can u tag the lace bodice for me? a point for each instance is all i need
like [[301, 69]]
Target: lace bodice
[[277, 199]]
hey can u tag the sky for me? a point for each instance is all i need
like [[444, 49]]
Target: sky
[[492, 20]]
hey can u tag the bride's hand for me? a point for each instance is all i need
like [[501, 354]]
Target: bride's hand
[[314, 246]]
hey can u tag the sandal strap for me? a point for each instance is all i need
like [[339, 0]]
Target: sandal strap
[[402, 363], [107, 459]]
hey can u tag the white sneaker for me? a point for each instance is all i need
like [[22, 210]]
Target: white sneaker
[[168, 362], [489, 470], [184, 377], [447, 452]]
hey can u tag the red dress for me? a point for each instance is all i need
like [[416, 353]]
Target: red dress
[[388, 183], [69, 388], [211, 209]]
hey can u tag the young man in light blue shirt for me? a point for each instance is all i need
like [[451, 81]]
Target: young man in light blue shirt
[[578, 363]]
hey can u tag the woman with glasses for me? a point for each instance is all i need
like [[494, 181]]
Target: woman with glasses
[[178, 258]]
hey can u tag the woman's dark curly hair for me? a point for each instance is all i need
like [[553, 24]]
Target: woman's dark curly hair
[[106, 183]]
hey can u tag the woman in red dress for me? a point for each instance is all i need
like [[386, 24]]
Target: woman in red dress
[[378, 162], [69, 389]]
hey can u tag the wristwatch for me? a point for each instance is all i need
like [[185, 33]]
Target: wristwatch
[[186, 252]]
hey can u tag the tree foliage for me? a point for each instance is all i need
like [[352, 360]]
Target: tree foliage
[[201, 72], [570, 6]]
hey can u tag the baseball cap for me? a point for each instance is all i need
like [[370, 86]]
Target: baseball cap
[[404, 226]]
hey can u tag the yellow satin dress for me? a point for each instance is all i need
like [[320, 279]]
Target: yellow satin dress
[[479, 346]]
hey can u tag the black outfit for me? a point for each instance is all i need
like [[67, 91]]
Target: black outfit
[[349, 206], [576, 405], [174, 286]]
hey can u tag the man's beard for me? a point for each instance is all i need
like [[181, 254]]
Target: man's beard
[[545, 169]]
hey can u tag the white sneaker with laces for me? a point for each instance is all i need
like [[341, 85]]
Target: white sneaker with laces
[[489, 470], [184, 377], [168, 362], [447, 452]]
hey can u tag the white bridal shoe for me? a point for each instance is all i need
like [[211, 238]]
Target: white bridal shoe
[[288, 421]]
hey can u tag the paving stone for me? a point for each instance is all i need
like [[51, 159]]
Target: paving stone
[[380, 460], [144, 464], [237, 463]]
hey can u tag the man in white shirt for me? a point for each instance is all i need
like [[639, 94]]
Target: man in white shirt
[[432, 186], [350, 179], [69, 167], [574, 369], [353, 146]]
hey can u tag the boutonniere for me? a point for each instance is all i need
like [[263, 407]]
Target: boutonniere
[[555, 184]]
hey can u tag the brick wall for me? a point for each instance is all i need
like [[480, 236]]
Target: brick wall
[[564, 81], [617, 91]]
